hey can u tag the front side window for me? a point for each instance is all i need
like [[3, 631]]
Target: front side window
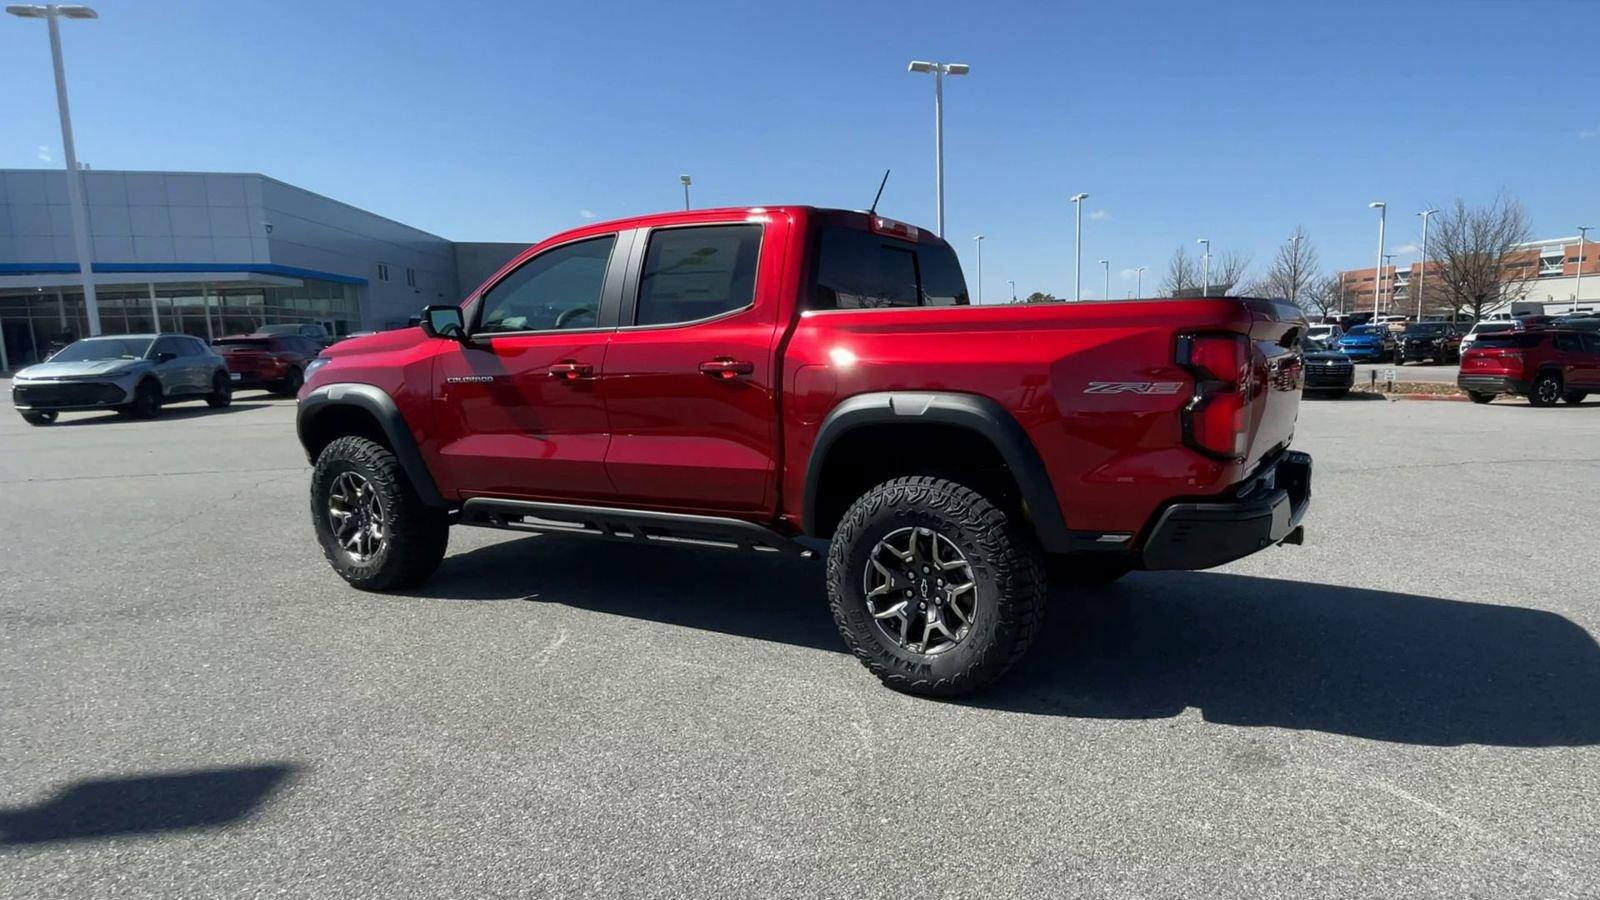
[[558, 289], [697, 273]]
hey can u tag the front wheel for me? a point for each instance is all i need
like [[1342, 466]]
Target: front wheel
[[374, 529], [1574, 397], [146, 402], [1546, 390], [221, 391], [40, 418], [290, 385], [1480, 396], [934, 588]]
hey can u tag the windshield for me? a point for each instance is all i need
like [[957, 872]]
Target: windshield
[[1427, 328], [1492, 327], [1368, 329], [103, 348], [1312, 345], [278, 329]]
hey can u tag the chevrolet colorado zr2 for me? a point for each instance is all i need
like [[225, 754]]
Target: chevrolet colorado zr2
[[788, 379]]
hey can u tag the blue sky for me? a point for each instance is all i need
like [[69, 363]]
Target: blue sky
[[510, 121]]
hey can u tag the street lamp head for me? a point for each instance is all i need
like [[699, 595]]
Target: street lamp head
[[684, 179], [1427, 212], [977, 237], [957, 69], [1206, 241], [1377, 204], [918, 65], [1079, 198], [32, 11], [1105, 262]]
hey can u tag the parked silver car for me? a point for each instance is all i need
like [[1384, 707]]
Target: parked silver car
[[132, 373]]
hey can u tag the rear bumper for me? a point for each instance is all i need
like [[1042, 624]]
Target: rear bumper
[[1364, 352], [1491, 384], [1330, 380], [1263, 513]]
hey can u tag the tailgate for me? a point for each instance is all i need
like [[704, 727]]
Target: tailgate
[[1278, 374]]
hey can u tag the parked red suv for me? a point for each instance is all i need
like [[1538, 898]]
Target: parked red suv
[[789, 379], [1545, 366], [276, 362]]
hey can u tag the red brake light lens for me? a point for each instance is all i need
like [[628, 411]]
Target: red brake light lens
[[1215, 421], [891, 228]]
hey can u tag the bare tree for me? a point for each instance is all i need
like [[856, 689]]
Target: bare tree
[[1322, 296], [1293, 272], [1228, 273], [1476, 264], [1183, 273]]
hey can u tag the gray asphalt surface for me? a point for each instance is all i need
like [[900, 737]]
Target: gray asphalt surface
[[193, 704]]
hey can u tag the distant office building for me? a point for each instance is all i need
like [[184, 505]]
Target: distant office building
[[212, 254], [1548, 270]]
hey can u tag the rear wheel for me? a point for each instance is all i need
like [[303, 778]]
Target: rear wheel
[[1574, 397], [1546, 390], [1480, 396], [374, 529], [221, 391], [934, 588], [290, 385], [146, 402], [40, 418]]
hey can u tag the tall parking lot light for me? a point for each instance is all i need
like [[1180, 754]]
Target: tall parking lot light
[[978, 239], [1205, 268], [1138, 282], [80, 225], [1106, 265], [1422, 264], [685, 181], [1077, 253], [939, 70], [1013, 283], [1577, 289], [1377, 283]]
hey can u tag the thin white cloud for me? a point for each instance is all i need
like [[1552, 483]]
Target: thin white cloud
[[1130, 274], [1588, 133], [1407, 249], [44, 154], [1099, 215], [586, 213]]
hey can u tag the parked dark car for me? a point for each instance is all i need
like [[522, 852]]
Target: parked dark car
[[1581, 322], [1546, 366], [1436, 341], [310, 330], [133, 373], [1329, 373], [275, 362]]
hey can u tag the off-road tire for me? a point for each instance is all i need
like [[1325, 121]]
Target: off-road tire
[[416, 534], [1546, 390], [1007, 567], [40, 418], [221, 391], [1480, 396], [146, 402], [1575, 397]]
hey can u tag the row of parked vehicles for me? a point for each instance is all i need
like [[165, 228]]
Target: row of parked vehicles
[[138, 374], [1438, 341]]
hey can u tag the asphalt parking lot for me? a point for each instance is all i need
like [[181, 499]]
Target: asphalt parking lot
[[193, 704]]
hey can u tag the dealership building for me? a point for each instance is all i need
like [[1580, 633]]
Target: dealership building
[[212, 254]]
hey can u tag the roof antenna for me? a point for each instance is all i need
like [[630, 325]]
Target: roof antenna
[[873, 210]]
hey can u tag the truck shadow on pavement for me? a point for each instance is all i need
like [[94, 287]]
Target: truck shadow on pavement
[[1242, 650], [144, 804]]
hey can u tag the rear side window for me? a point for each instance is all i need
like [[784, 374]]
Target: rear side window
[[1568, 343], [558, 289], [1506, 340], [1591, 343], [697, 273], [860, 270]]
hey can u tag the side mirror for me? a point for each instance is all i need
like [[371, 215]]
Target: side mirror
[[166, 356], [443, 322]]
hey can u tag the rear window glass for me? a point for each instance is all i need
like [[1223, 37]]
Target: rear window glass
[[1492, 327], [1508, 339], [857, 269], [241, 342]]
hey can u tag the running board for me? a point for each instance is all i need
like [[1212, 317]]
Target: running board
[[637, 525]]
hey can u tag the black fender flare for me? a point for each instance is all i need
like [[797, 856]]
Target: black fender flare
[[376, 402], [978, 414]]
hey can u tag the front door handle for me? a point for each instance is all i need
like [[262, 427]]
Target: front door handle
[[724, 367], [567, 370]]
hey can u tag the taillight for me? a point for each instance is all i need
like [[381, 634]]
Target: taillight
[[1214, 421]]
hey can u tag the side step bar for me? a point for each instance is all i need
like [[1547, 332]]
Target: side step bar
[[637, 525]]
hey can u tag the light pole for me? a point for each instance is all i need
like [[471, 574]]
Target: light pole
[[80, 226], [1077, 253], [1013, 284], [686, 181], [978, 239], [1138, 282], [1377, 283], [1422, 264], [939, 70], [1577, 289], [1205, 279], [1106, 265], [1294, 275]]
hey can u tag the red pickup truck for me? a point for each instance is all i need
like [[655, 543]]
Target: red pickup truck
[[800, 380]]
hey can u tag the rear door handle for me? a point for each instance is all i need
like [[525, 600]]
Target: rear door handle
[[724, 367], [571, 371]]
